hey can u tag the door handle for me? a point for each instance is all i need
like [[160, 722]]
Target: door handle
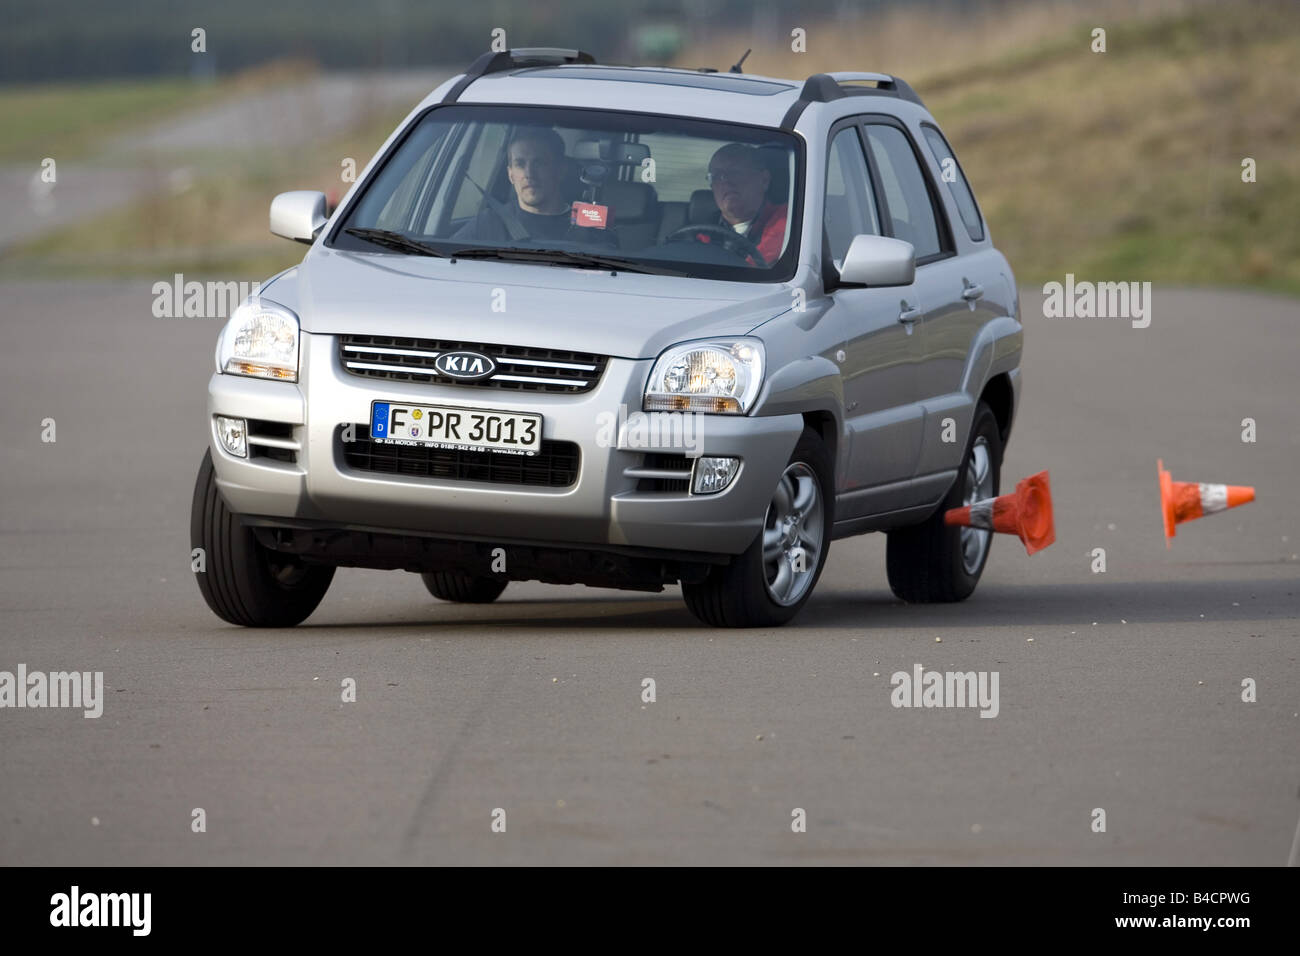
[[969, 291], [909, 314]]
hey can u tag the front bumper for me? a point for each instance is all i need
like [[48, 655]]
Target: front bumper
[[603, 506]]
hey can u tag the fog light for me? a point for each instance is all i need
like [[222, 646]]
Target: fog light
[[713, 474], [233, 435]]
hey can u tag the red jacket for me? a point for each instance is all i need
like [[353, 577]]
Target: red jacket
[[767, 231]]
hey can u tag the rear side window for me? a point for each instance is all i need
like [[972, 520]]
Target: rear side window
[[951, 174], [906, 194]]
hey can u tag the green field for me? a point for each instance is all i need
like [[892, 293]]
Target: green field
[[67, 120]]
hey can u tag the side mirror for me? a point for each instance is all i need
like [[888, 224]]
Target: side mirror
[[298, 215], [879, 261]]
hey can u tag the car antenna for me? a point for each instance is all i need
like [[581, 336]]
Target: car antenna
[[736, 68]]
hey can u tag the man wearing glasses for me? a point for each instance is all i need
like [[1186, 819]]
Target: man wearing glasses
[[740, 182]]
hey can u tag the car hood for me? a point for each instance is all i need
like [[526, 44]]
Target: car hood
[[507, 303]]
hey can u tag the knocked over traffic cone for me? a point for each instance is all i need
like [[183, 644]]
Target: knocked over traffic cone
[[1187, 500], [1026, 513]]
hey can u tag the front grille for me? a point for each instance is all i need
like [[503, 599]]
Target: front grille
[[518, 368], [555, 466]]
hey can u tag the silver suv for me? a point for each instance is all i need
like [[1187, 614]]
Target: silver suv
[[624, 327]]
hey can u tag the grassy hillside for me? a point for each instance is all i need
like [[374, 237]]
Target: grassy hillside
[[1121, 165]]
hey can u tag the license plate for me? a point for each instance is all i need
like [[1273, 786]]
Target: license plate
[[477, 429]]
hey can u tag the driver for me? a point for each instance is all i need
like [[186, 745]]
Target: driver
[[740, 182], [535, 166]]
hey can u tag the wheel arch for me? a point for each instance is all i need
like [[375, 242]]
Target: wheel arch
[[824, 423], [1000, 396]]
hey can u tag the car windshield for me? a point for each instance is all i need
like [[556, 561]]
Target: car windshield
[[591, 188]]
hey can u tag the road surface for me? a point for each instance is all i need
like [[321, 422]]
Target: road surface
[[1120, 691]]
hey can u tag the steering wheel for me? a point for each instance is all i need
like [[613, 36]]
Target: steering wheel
[[730, 240]]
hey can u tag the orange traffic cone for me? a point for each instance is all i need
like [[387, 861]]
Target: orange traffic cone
[[1026, 513], [1187, 500]]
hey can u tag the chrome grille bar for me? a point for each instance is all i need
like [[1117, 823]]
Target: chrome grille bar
[[518, 368]]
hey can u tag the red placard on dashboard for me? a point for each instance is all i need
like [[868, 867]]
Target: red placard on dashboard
[[590, 215]]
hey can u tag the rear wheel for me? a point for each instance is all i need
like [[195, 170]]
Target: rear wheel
[[243, 582], [773, 578], [462, 587], [933, 562]]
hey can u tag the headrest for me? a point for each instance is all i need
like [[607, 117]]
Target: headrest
[[775, 160], [703, 208], [630, 201]]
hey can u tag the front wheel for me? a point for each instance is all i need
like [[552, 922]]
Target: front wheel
[[773, 578], [243, 582], [934, 562]]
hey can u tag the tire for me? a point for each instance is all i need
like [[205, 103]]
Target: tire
[[932, 562], [463, 587], [243, 582], [744, 593]]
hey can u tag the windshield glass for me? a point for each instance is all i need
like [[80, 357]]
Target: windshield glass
[[674, 195]]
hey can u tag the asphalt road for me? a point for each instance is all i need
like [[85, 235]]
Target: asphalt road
[[1119, 690]]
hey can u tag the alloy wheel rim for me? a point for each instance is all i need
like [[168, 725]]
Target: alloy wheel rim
[[792, 535], [978, 487]]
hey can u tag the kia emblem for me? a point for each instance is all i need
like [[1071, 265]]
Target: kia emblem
[[465, 365]]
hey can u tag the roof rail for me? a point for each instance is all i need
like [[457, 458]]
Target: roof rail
[[884, 83], [504, 60], [824, 87]]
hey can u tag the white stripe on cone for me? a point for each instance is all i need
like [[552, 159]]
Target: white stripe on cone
[[981, 514], [1213, 498]]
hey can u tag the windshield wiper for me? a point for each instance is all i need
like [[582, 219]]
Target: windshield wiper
[[564, 257], [395, 240]]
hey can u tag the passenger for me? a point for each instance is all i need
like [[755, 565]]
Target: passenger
[[535, 165]]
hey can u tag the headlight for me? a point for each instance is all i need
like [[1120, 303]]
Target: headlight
[[261, 339], [721, 375]]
